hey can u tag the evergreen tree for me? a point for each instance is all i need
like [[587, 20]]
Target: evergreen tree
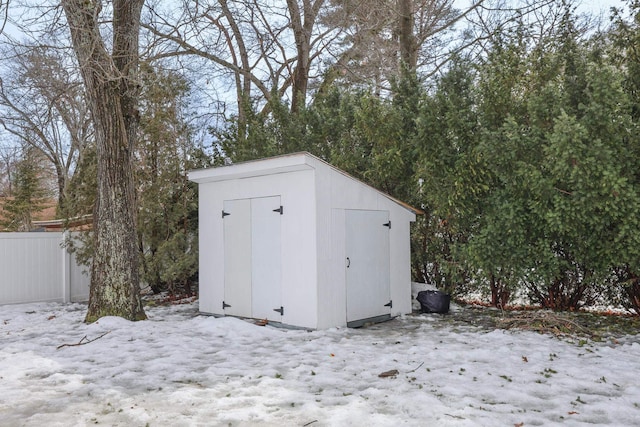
[[167, 215], [80, 201], [560, 196], [529, 173], [29, 193], [449, 177], [625, 52]]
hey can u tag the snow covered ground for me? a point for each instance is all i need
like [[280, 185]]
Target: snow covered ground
[[181, 369]]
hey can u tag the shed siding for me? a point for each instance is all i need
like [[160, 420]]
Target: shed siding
[[335, 193], [298, 240]]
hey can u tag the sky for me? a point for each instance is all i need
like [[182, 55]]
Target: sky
[[587, 6], [600, 5], [181, 369]]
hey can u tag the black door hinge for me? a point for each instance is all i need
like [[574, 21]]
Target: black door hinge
[[280, 209], [388, 224], [389, 304], [279, 310], [225, 305], [225, 214]]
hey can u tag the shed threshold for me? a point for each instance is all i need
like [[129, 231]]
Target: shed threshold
[[368, 321]]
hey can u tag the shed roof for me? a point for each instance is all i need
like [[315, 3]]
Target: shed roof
[[279, 164]]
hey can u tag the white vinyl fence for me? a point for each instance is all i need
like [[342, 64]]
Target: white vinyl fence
[[36, 267]]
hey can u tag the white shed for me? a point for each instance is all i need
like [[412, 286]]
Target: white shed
[[293, 240]]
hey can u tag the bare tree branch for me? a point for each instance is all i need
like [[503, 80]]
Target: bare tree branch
[[42, 105], [4, 14], [82, 341]]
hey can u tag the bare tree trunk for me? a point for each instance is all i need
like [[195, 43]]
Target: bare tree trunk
[[243, 75], [407, 40], [112, 89], [500, 293], [302, 23]]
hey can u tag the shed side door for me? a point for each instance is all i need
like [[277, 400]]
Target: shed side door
[[368, 271], [237, 257], [266, 262]]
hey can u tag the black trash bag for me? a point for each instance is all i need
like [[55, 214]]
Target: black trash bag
[[434, 301]]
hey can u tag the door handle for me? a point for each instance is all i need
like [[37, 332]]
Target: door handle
[[348, 262]]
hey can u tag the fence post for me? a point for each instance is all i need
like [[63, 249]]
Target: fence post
[[66, 269]]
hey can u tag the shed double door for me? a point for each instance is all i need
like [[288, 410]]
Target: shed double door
[[252, 258], [368, 265]]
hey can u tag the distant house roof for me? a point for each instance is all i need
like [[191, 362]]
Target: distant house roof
[[79, 223]]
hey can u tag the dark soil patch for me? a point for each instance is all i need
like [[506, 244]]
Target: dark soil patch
[[587, 325]]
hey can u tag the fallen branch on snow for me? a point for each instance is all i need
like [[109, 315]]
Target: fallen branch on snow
[[83, 341], [413, 370]]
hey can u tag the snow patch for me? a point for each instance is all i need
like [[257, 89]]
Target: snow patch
[[220, 371]]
